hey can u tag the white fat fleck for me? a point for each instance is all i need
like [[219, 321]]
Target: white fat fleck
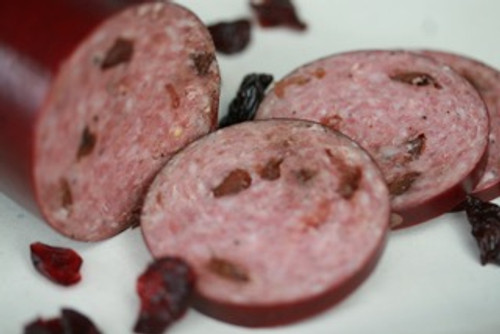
[[387, 152], [61, 214], [99, 37], [128, 34], [487, 177], [200, 187], [193, 169], [158, 6], [173, 38], [129, 105], [461, 112], [176, 132], [143, 10]]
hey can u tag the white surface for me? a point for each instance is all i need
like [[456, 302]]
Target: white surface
[[429, 279]]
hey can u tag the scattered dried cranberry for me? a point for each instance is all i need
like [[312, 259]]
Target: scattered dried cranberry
[[60, 265], [40, 326], [165, 290], [272, 13], [485, 220], [70, 322], [231, 37], [248, 98]]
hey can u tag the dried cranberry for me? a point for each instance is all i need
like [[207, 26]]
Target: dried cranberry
[[230, 37], [40, 326], [272, 13], [60, 265], [485, 220], [70, 322], [164, 289], [248, 98]]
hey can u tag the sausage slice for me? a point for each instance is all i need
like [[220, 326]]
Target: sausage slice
[[280, 219], [425, 125]]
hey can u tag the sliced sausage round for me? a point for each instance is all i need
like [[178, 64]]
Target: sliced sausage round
[[280, 219], [486, 80], [137, 89], [425, 125]]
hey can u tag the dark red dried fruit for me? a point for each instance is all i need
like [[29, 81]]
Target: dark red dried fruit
[[273, 13], [400, 184], [70, 322], [235, 182], [165, 289], [248, 98], [66, 196], [60, 265], [228, 270], [231, 37], [303, 175], [271, 171], [120, 52], [418, 79], [416, 146], [41, 326], [202, 62], [484, 218], [87, 143]]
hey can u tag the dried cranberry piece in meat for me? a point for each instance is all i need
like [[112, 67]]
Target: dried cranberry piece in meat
[[60, 265], [248, 98], [485, 220], [273, 13], [231, 37], [164, 289], [71, 322]]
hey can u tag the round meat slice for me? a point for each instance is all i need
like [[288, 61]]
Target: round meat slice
[[425, 125], [140, 87], [487, 82], [280, 219]]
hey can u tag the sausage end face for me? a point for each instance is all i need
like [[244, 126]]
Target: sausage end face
[[136, 90], [278, 216]]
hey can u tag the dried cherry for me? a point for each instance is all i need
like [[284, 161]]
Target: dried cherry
[[70, 322], [248, 98], [484, 218], [164, 289], [231, 37], [60, 265], [272, 13]]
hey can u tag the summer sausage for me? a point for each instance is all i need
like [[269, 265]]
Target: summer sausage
[[142, 85], [425, 125], [34, 40], [486, 80], [280, 219]]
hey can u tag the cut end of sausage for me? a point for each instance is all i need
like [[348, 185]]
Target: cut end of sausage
[[425, 125], [128, 97], [299, 223]]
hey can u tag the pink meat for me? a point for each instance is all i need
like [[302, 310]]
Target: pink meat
[[425, 126], [487, 82], [279, 219], [140, 87]]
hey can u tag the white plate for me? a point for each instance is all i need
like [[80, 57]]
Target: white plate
[[429, 279]]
